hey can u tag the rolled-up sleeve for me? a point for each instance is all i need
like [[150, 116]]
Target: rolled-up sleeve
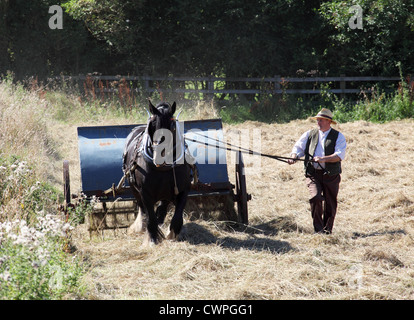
[[340, 146], [300, 145]]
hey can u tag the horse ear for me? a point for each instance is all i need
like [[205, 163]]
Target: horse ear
[[153, 109], [173, 107]]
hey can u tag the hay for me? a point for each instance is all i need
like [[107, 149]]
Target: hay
[[370, 255]]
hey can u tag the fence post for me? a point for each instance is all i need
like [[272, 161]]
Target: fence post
[[277, 83], [210, 88], [342, 86], [146, 85]]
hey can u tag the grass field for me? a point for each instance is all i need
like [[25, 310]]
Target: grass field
[[370, 254]]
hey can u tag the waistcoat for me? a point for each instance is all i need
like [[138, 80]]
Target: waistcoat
[[330, 142]]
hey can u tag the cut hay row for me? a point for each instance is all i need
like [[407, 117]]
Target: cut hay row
[[369, 255]]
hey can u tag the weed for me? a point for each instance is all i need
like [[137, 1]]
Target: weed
[[32, 262], [33, 237]]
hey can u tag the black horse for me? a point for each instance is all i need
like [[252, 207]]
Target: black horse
[[154, 162]]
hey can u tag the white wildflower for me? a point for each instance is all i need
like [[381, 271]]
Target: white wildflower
[[53, 226], [43, 255], [33, 189], [26, 236], [6, 276]]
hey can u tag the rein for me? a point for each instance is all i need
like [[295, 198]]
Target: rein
[[230, 147], [239, 149]]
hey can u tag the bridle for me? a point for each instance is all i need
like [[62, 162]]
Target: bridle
[[150, 145]]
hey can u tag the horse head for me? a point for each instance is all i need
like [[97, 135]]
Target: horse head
[[162, 130]]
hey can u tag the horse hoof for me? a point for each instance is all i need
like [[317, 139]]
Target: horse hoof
[[135, 229], [149, 242], [173, 236], [138, 226]]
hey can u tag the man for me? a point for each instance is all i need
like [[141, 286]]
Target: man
[[324, 149]]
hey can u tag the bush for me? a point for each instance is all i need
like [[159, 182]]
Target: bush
[[377, 107]]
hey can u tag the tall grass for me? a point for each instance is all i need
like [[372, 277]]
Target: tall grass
[[378, 106], [67, 103], [23, 129], [374, 105], [265, 108], [33, 236]]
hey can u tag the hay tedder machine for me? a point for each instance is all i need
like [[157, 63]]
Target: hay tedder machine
[[114, 206]]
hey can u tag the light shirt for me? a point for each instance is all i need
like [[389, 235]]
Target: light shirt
[[300, 146]]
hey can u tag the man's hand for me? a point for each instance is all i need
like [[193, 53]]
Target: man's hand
[[319, 159], [292, 161]]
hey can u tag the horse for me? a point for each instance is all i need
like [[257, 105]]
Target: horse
[[157, 171]]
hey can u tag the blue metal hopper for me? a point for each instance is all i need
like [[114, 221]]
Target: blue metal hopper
[[101, 149]]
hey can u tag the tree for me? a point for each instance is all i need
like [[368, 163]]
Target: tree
[[28, 47], [234, 38], [386, 37]]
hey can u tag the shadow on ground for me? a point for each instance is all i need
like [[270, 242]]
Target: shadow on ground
[[356, 235], [237, 236]]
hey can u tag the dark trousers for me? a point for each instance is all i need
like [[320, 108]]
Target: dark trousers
[[323, 192]]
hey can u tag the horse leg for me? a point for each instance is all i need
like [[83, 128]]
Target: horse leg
[[140, 223], [154, 233], [162, 211], [177, 219], [195, 173]]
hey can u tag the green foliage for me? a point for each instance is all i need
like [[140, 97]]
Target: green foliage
[[377, 106], [29, 48], [32, 262], [242, 38], [212, 37], [201, 38], [386, 37]]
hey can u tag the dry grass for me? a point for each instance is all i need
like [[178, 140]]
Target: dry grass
[[369, 256], [23, 129]]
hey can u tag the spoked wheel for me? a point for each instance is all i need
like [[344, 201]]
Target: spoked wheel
[[241, 191]]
